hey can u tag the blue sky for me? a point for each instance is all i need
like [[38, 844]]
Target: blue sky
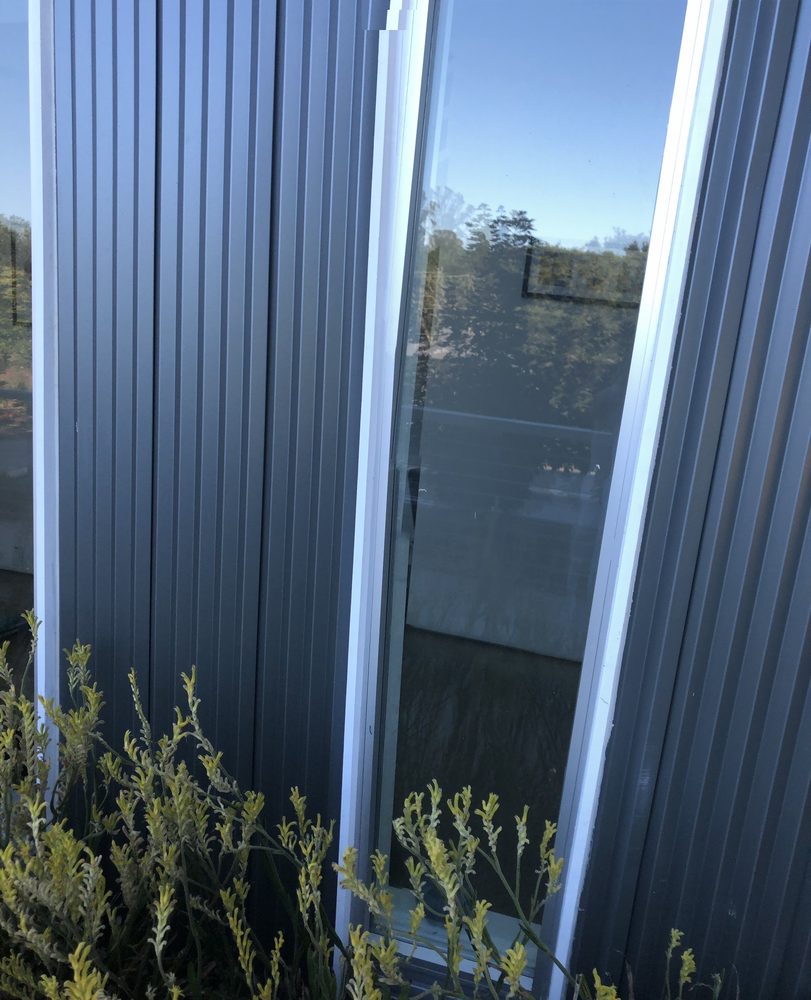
[[15, 184], [558, 107]]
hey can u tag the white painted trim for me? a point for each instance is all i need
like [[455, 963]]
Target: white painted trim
[[398, 100], [689, 125], [44, 347]]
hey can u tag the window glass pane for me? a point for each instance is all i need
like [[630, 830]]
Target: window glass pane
[[16, 505], [544, 141]]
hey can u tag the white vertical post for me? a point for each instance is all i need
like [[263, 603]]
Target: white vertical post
[[44, 346], [397, 109]]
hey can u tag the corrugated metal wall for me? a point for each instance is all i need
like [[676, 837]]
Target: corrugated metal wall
[[705, 816], [213, 164]]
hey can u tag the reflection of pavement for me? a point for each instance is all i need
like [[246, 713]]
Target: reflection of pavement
[[507, 521], [505, 577], [16, 595], [15, 455]]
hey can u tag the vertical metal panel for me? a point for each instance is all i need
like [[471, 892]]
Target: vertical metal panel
[[320, 198], [105, 148], [213, 170], [211, 359], [134, 194], [705, 817]]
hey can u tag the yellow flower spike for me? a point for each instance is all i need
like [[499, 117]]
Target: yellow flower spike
[[415, 919], [459, 807], [130, 746], [413, 803], [688, 967], [521, 830], [361, 985], [299, 802], [408, 827], [88, 983], [550, 829], [252, 807], [454, 955], [471, 846], [276, 961], [379, 863], [435, 797], [441, 867], [487, 814], [602, 991], [489, 807], [512, 965], [555, 867], [164, 907], [389, 961], [416, 874], [246, 953], [477, 922], [190, 683], [484, 959], [348, 868]]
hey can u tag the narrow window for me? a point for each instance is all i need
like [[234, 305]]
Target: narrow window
[[16, 499], [545, 129]]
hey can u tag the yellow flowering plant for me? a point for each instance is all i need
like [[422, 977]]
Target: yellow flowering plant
[[443, 866], [127, 874], [443, 851]]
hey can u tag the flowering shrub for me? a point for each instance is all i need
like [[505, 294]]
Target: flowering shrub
[[443, 870], [147, 895], [150, 898]]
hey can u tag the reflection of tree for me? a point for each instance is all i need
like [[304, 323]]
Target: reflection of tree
[[15, 325], [545, 339]]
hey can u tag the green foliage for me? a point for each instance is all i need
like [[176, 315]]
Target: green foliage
[[151, 899], [443, 867], [515, 327], [148, 895], [15, 327], [15, 293]]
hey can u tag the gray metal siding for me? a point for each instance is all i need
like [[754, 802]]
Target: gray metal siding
[[213, 166], [705, 814], [323, 120], [105, 141]]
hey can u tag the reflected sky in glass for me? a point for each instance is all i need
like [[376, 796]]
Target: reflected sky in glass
[[517, 348], [575, 96], [15, 183]]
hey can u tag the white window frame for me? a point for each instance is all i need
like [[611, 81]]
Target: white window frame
[[44, 355], [401, 61], [403, 46]]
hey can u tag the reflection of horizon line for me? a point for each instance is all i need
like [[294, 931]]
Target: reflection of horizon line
[[517, 421], [581, 300], [432, 196], [15, 219]]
